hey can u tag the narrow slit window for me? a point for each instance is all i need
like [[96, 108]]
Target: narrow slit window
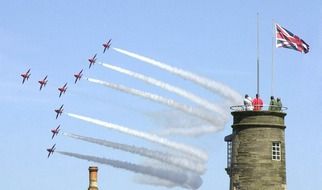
[[276, 151]]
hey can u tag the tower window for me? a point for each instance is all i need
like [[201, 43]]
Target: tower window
[[276, 151]]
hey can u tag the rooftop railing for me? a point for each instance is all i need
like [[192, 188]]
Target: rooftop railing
[[258, 108]]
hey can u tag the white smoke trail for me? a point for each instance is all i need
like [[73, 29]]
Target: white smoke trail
[[218, 122], [212, 85], [157, 155], [185, 126], [147, 136], [187, 181], [193, 131], [196, 99], [150, 180], [168, 118]]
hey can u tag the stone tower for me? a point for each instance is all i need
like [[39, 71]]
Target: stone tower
[[92, 178], [256, 151]]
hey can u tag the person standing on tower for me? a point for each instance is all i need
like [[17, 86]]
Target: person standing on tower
[[257, 103], [248, 103], [272, 104], [279, 104]]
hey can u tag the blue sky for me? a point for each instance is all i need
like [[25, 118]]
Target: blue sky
[[215, 39]]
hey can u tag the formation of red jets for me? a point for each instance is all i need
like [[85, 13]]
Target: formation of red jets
[[25, 76]]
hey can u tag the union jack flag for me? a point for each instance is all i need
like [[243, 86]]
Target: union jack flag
[[287, 39]]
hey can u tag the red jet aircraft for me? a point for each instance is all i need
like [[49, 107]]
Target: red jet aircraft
[[51, 150], [55, 131], [92, 60], [59, 111], [78, 76], [62, 89], [43, 82], [25, 76], [107, 45]]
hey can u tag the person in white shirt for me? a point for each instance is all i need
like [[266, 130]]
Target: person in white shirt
[[248, 103]]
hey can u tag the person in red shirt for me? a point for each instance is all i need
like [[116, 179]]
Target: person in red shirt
[[257, 103]]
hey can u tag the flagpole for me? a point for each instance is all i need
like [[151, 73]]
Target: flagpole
[[273, 37], [257, 53]]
